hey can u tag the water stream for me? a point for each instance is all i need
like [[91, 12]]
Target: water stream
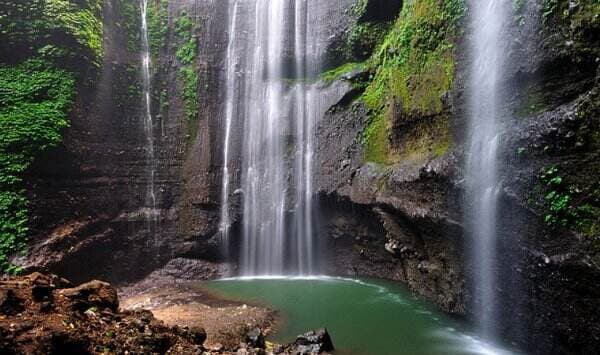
[[483, 187], [150, 203], [231, 81]]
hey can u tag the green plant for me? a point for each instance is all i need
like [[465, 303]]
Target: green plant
[[336, 73], [186, 54], [364, 37], [189, 78], [358, 8], [34, 101], [518, 6], [158, 24], [548, 9], [557, 200], [376, 140], [183, 25], [567, 205], [130, 22], [31, 25]]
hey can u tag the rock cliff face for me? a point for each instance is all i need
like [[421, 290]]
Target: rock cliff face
[[90, 218], [390, 193], [402, 219]]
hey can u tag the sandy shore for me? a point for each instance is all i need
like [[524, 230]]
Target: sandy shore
[[186, 304]]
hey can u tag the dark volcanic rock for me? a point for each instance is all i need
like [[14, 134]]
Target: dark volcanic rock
[[255, 338], [90, 217], [313, 342], [403, 221]]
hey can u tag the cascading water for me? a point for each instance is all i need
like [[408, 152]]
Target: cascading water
[[278, 109], [487, 58], [150, 209], [231, 82]]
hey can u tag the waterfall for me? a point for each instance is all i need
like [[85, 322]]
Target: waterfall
[[277, 109], [150, 203], [483, 187], [231, 81]]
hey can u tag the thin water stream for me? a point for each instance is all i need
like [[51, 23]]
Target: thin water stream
[[150, 203]]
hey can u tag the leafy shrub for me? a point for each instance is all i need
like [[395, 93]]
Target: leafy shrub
[[567, 205], [158, 24], [33, 24], [34, 100], [186, 54]]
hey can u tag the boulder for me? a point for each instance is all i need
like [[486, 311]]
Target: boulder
[[313, 342], [93, 294]]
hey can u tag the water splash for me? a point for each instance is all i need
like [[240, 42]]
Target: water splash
[[483, 187]]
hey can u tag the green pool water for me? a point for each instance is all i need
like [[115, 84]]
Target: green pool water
[[364, 317]]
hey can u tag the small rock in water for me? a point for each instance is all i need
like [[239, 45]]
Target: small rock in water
[[313, 342]]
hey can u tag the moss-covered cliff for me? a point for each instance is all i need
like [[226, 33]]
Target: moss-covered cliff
[[45, 47], [398, 151]]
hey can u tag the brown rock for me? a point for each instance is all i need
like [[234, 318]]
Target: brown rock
[[93, 294], [9, 302], [197, 335]]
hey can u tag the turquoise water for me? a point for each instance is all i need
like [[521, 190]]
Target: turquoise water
[[364, 317]]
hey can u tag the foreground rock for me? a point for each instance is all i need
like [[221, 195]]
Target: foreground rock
[[313, 342], [45, 314], [310, 343]]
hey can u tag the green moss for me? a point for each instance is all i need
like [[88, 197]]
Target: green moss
[[364, 37], [428, 138], [34, 101], [415, 62], [413, 67], [37, 23], [376, 141], [336, 73]]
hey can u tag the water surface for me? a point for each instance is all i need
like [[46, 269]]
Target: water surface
[[364, 317]]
